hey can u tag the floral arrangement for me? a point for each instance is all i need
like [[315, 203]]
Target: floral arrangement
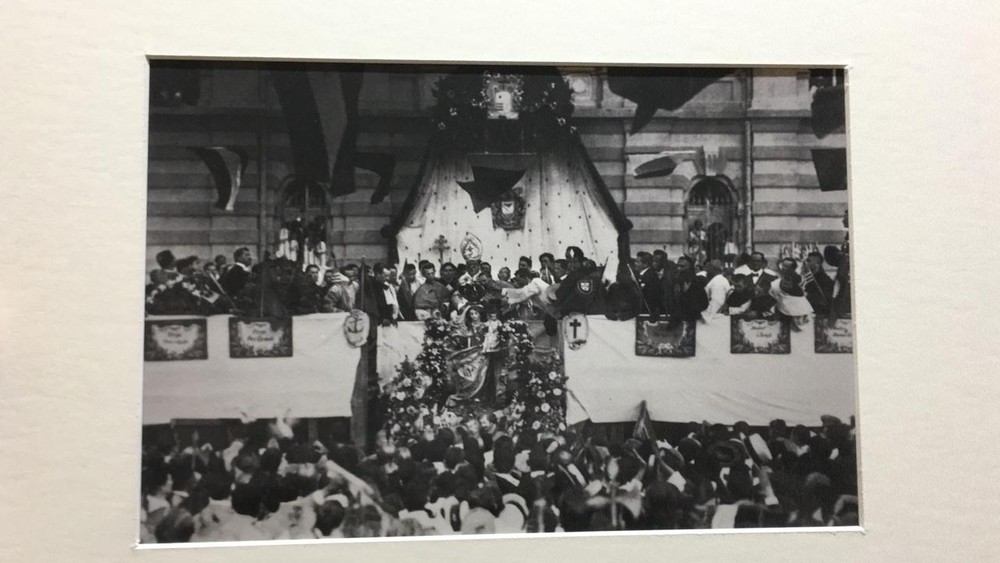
[[417, 396], [539, 405], [542, 96]]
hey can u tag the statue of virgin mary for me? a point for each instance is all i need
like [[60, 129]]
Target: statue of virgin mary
[[471, 367]]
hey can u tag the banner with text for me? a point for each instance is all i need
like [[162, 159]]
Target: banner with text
[[760, 336], [185, 339], [665, 337], [260, 338], [834, 336]]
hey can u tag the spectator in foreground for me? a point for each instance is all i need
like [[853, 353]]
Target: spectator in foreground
[[462, 477]]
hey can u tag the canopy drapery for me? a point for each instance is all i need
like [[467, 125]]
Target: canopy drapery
[[565, 204]]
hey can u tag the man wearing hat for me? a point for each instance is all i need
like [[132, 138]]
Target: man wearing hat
[[339, 296]]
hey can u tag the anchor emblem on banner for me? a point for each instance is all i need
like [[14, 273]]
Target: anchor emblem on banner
[[576, 329], [356, 327]]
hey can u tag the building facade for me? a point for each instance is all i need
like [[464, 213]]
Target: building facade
[[743, 147]]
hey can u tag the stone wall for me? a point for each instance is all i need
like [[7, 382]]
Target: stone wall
[[238, 107]]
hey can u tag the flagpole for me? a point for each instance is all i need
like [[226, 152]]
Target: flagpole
[[614, 506], [261, 168], [638, 285]]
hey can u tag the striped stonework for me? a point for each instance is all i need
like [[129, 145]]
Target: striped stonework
[[787, 204]]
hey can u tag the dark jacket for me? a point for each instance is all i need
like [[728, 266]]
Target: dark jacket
[[690, 303], [652, 293], [374, 302], [820, 292], [405, 298], [234, 280]]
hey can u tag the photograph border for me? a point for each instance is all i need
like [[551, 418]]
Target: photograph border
[[912, 409]]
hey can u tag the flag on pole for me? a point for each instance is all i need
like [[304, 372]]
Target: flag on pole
[[644, 425], [321, 110], [227, 165], [654, 89]]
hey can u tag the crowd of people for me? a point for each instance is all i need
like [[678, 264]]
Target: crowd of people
[[472, 477], [477, 476], [648, 283]]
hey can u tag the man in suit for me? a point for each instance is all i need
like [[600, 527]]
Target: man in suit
[[375, 301], [688, 299], [407, 288], [761, 277], [237, 276], [661, 263], [818, 284], [758, 271], [649, 283]]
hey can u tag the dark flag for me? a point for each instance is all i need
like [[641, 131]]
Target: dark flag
[[655, 168], [828, 110], [323, 129], [655, 89], [227, 165], [273, 283], [488, 185], [828, 101], [831, 168]]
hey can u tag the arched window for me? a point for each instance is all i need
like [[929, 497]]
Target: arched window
[[710, 217], [304, 213], [305, 197]]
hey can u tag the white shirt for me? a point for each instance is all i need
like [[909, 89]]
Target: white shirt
[[717, 289], [391, 299], [517, 295]]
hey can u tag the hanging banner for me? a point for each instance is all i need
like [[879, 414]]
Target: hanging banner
[[833, 335], [665, 337], [260, 338], [172, 340], [576, 329], [760, 336]]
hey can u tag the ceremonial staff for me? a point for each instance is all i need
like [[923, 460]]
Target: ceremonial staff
[[808, 277], [223, 293], [639, 286]]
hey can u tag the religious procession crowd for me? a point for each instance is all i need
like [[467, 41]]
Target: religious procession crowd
[[472, 477], [648, 283]]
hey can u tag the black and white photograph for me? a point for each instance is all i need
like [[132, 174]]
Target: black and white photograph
[[511, 282], [447, 300]]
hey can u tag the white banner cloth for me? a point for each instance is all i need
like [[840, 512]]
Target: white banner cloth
[[316, 381], [609, 381]]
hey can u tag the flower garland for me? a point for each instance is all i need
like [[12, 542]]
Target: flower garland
[[416, 397], [543, 97]]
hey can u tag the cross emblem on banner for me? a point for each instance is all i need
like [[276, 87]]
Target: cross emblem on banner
[[575, 324], [576, 329]]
